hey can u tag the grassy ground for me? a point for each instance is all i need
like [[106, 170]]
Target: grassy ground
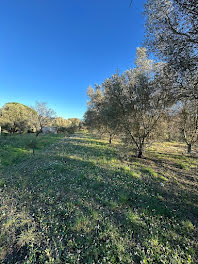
[[78, 201]]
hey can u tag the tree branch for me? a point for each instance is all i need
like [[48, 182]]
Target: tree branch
[[180, 33], [184, 6]]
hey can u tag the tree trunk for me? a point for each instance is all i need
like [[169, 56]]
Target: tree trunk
[[189, 148], [38, 132], [110, 139], [140, 149], [33, 143], [140, 153]]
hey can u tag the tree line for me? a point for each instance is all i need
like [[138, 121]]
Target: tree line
[[155, 99], [19, 118]]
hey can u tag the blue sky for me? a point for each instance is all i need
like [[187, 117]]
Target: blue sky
[[52, 50]]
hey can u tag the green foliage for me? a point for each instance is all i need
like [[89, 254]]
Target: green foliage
[[171, 34], [131, 103], [72, 129], [17, 117]]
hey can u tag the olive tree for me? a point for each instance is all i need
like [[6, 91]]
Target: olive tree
[[92, 116], [138, 99], [100, 115]]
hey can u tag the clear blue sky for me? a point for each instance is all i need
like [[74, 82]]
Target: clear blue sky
[[52, 50]]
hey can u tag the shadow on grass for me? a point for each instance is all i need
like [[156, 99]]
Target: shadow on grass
[[80, 201], [97, 179], [172, 159]]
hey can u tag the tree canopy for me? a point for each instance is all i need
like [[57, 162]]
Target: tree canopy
[[15, 117], [131, 103], [172, 35]]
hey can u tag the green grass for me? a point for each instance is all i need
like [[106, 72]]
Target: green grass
[[150, 171], [14, 148], [76, 201]]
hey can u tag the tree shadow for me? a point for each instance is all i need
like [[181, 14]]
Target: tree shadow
[[61, 188]]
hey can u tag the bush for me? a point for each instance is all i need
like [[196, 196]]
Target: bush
[[72, 129], [62, 130]]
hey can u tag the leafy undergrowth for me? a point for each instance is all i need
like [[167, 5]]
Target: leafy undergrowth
[[75, 201]]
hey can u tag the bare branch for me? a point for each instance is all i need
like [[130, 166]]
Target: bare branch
[[131, 2]]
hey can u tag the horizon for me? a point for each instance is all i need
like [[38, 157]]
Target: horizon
[[53, 51]]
